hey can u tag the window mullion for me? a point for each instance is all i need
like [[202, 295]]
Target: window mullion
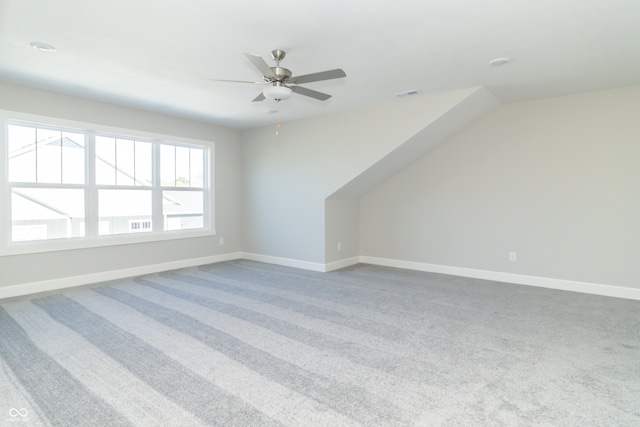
[[35, 147], [207, 187], [91, 190], [61, 162], [156, 197], [5, 190]]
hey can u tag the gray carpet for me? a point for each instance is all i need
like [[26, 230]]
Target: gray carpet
[[244, 343]]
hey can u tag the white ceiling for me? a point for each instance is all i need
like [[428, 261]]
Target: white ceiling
[[153, 54]]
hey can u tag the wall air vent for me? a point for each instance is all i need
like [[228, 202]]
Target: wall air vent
[[406, 93]]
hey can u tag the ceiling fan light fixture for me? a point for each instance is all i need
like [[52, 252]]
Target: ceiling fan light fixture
[[277, 92]]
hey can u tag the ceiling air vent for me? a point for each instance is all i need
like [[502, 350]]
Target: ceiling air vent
[[406, 93]]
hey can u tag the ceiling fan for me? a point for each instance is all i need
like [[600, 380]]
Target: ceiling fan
[[280, 81]]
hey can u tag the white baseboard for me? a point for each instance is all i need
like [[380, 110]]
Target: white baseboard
[[518, 279], [87, 279], [305, 265], [287, 262], [336, 265]]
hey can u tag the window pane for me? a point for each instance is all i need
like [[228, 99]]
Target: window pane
[[197, 167], [105, 160], [72, 158], [182, 167], [183, 209], [49, 156], [22, 153], [125, 161], [144, 163], [46, 213], [120, 210], [168, 165]]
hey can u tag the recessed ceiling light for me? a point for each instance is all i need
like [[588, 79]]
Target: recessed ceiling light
[[499, 61], [43, 47]]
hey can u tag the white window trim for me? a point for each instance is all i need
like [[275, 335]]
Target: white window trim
[[92, 241]]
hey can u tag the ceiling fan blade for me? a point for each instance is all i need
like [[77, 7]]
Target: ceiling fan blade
[[262, 66], [259, 98], [310, 93], [316, 77], [234, 81]]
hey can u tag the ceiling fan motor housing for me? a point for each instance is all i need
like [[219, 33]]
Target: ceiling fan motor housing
[[282, 74]]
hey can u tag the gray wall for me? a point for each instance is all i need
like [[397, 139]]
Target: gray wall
[[557, 180], [52, 265], [342, 239], [288, 177]]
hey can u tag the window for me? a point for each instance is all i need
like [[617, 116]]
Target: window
[[83, 186], [182, 181], [46, 175]]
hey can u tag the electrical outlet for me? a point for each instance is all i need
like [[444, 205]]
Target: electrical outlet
[[339, 246], [513, 256], [222, 241]]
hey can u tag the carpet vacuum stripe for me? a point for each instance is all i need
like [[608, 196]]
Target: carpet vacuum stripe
[[384, 331], [341, 397], [295, 349], [208, 402], [250, 344], [91, 366], [354, 345], [270, 398], [417, 345], [55, 392]]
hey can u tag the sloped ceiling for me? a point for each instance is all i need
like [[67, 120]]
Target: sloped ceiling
[[154, 54], [451, 120]]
